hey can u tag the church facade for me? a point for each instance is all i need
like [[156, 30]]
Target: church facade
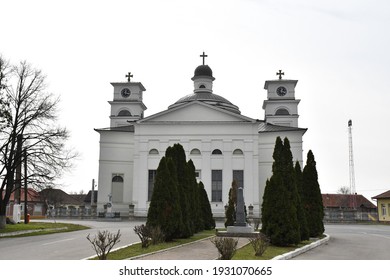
[[223, 144]]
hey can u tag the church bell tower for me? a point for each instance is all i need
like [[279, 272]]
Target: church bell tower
[[281, 107], [127, 104]]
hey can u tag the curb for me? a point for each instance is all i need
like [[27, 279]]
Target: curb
[[16, 233], [304, 249]]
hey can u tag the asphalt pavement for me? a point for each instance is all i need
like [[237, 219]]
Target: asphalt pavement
[[347, 242], [353, 242], [65, 246]]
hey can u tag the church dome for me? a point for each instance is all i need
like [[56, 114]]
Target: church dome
[[203, 70], [203, 83], [208, 98]]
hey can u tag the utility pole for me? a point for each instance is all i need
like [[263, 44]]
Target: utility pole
[[93, 193], [26, 220], [351, 168]]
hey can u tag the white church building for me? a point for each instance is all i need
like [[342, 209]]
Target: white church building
[[223, 144]]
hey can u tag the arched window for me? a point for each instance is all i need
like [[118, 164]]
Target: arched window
[[202, 86], [282, 112], [153, 152], [195, 152], [217, 152], [117, 189], [238, 152], [124, 113], [117, 179]]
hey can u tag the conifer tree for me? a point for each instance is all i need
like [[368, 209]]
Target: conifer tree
[[207, 214], [230, 213], [195, 199], [290, 183], [300, 210], [266, 207], [280, 222], [311, 198], [164, 210], [177, 154]]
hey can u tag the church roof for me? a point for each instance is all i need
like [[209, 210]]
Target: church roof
[[206, 96], [267, 127], [125, 128], [209, 98]]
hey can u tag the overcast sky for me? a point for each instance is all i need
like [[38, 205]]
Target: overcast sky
[[338, 50]]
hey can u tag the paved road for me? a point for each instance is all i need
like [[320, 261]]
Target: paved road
[[348, 242], [353, 242], [64, 246]]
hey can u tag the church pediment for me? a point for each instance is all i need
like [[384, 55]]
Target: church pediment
[[196, 112]]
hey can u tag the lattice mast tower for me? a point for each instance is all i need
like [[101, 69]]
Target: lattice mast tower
[[351, 168]]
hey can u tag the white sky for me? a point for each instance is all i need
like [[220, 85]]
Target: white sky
[[338, 50]]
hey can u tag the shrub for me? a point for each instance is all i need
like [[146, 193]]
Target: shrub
[[226, 246], [103, 242], [144, 233], [259, 243]]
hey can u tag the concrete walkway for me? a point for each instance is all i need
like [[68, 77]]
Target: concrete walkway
[[199, 250]]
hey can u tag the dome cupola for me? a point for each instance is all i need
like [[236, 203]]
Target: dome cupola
[[203, 90], [203, 70], [203, 77]]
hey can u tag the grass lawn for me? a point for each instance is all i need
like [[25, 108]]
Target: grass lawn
[[248, 253], [45, 228], [245, 253], [137, 250]]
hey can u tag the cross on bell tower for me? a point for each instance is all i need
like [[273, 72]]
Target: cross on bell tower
[[280, 73], [203, 56], [128, 76]]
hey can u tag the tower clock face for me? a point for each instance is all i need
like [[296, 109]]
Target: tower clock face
[[281, 91], [125, 92]]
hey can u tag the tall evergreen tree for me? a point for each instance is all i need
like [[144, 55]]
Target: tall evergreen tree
[[230, 213], [177, 154], [311, 198], [164, 210], [195, 199], [266, 207], [207, 214], [290, 184], [280, 220], [300, 210], [270, 196]]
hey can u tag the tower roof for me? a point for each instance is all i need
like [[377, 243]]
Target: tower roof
[[203, 70]]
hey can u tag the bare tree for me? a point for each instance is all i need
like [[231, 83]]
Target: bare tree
[[4, 102], [30, 116], [344, 190]]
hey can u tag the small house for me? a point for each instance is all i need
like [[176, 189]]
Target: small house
[[383, 203]]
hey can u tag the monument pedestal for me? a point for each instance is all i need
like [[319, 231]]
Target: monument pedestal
[[240, 229]]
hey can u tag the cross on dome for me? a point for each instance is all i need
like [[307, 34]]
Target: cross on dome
[[128, 76], [203, 56]]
